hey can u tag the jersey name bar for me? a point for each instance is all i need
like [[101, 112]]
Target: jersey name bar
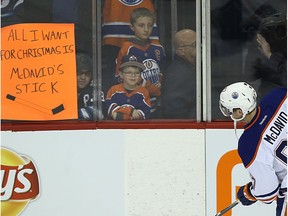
[[276, 127]]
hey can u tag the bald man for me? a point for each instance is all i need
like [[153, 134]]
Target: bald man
[[179, 84]]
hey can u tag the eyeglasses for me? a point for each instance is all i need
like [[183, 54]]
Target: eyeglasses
[[129, 73], [193, 45]]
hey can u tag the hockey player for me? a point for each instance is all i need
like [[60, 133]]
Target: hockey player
[[263, 144]]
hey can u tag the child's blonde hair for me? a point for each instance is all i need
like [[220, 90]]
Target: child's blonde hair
[[141, 12]]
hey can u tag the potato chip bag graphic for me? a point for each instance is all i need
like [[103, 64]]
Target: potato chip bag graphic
[[19, 182]]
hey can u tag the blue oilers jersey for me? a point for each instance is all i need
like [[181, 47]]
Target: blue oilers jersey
[[263, 146], [119, 100], [152, 55]]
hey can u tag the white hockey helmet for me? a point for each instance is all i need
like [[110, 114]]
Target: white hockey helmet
[[237, 95]]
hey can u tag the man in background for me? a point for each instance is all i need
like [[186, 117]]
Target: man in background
[[179, 84]]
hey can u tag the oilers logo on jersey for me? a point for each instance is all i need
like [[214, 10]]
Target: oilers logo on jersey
[[131, 2], [152, 71]]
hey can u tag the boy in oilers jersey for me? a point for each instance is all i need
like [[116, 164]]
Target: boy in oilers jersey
[[116, 30], [263, 144], [153, 55], [116, 15], [129, 100]]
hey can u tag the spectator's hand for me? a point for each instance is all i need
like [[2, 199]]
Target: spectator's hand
[[85, 113], [264, 46], [136, 115], [245, 196], [159, 85], [154, 91]]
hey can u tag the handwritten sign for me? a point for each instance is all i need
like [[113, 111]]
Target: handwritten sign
[[38, 72]]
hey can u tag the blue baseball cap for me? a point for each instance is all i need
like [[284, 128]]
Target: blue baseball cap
[[131, 60]]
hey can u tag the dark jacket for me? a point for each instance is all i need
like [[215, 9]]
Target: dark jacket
[[179, 90]]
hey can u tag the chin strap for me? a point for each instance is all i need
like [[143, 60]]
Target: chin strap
[[235, 129]]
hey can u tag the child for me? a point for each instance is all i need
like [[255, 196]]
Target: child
[[116, 15], [85, 88], [153, 55], [128, 100], [116, 30]]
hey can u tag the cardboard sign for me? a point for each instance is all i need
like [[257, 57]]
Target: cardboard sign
[[38, 72]]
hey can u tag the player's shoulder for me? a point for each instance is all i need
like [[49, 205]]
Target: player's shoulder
[[281, 90], [273, 99], [248, 146], [276, 93]]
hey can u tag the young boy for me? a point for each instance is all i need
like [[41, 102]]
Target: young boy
[[85, 88], [116, 30], [128, 100], [153, 55]]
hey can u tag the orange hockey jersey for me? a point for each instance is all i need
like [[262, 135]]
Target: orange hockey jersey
[[116, 20]]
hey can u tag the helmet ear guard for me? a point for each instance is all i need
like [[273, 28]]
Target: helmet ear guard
[[238, 95], [226, 112]]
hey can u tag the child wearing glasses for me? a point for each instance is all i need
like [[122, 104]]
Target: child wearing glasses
[[129, 100], [141, 22]]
